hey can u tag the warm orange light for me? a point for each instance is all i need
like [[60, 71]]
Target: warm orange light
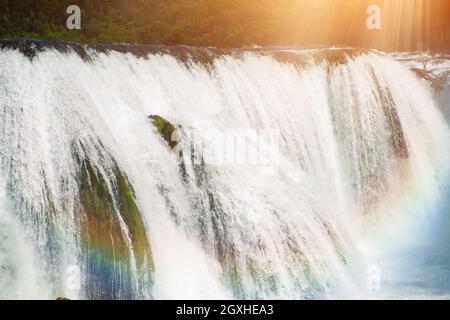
[[406, 24]]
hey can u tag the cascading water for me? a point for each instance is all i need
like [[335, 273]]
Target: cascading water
[[88, 182]]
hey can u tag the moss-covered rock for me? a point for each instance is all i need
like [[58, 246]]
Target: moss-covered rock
[[165, 129], [113, 235]]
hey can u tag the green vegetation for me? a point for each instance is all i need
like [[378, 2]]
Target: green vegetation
[[191, 22], [220, 23]]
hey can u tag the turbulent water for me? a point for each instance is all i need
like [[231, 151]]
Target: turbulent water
[[291, 174]]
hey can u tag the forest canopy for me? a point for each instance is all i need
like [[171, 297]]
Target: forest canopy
[[231, 23]]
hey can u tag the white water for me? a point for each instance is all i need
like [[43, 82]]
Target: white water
[[337, 187]]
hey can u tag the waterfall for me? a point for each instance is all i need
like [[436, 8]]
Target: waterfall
[[340, 149]]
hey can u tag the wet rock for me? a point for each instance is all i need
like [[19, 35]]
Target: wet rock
[[165, 129], [113, 235]]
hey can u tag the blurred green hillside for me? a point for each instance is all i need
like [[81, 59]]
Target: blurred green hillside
[[228, 23], [222, 23]]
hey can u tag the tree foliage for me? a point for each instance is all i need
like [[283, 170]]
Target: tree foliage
[[223, 23]]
